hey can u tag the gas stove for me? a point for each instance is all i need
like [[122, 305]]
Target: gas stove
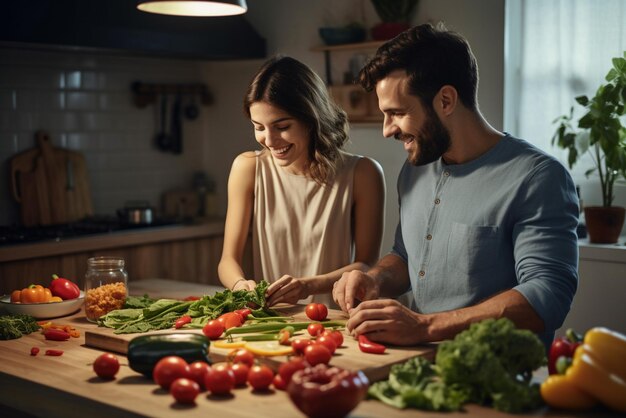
[[10, 235]]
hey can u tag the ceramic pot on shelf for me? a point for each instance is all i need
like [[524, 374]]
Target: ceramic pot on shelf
[[604, 224]]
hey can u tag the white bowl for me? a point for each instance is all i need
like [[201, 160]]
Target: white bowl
[[43, 310]]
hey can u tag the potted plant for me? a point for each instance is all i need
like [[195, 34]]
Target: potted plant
[[395, 15], [600, 133]]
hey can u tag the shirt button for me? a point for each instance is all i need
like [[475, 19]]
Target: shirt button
[[446, 173], [437, 201], [422, 273], [429, 237]]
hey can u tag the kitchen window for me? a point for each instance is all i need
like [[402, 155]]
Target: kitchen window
[[557, 50]]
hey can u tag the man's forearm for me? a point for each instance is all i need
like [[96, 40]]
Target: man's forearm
[[510, 304], [392, 274]]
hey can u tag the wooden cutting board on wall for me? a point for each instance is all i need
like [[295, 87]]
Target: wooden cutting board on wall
[[51, 184]]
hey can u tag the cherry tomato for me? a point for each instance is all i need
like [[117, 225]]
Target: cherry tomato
[[300, 344], [316, 311], [198, 371], [287, 369], [244, 313], [337, 336], [231, 320], [328, 342], [279, 383], [106, 366], [316, 354], [240, 370], [213, 329], [260, 377], [185, 390], [241, 355], [169, 369], [315, 329], [220, 380]]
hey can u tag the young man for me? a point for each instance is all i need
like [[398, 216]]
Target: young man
[[487, 221]]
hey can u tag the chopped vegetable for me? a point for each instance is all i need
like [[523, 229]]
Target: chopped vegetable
[[56, 335], [491, 363], [54, 353], [34, 351], [14, 326], [367, 346], [268, 348]]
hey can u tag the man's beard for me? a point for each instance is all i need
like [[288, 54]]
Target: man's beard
[[432, 141]]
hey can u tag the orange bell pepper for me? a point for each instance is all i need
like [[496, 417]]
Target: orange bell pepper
[[35, 293], [15, 296]]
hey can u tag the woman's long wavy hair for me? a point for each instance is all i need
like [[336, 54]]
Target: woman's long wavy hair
[[293, 87]]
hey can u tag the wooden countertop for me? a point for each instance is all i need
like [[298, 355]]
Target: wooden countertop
[[66, 386], [124, 238]]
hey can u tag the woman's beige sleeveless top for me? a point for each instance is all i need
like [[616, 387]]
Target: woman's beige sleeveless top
[[300, 227]]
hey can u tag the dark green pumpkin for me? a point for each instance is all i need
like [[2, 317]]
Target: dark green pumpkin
[[145, 351]]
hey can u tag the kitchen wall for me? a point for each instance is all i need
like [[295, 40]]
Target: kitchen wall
[[83, 99]]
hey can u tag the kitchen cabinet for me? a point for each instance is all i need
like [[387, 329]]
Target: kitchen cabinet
[[188, 253], [599, 300], [360, 106]]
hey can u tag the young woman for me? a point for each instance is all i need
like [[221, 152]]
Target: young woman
[[315, 210]]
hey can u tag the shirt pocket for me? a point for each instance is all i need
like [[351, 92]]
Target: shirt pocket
[[473, 249]]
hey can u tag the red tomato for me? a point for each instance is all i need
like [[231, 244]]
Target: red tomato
[[260, 377], [328, 342], [315, 329], [198, 371], [244, 313], [241, 355], [287, 369], [240, 370], [220, 380], [231, 320], [300, 344], [185, 390], [106, 366], [213, 329], [337, 336], [279, 383], [317, 354], [316, 311], [169, 369]]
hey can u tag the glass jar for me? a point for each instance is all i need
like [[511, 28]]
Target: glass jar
[[106, 286]]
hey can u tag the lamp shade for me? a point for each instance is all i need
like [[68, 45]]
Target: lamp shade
[[193, 7]]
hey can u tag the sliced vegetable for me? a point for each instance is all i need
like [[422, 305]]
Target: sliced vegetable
[[229, 344], [34, 351], [54, 353], [367, 346], [56, 334], [145, 351], [277, 326], [268, 348], [182, 321]]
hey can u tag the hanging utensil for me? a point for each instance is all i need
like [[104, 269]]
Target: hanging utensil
[[177, 127], [191, 110], [163, 138]]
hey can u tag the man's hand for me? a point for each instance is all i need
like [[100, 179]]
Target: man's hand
[[287, 289], [354, 285], [388, 321]]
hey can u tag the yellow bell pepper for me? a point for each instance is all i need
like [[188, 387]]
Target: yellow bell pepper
[[559, 392], [591, 376], [609, 348]]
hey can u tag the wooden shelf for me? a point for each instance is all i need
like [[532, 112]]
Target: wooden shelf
[[348, 47]]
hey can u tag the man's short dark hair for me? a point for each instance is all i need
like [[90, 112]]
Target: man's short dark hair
[[432, 58]]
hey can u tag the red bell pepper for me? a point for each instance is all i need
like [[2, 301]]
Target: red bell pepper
[[563, 347], [56, 334], [64, 288], [367, 346]]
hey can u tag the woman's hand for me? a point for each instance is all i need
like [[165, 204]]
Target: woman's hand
[[244, 285], [287, 289]]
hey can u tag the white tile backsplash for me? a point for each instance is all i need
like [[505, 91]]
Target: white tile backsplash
[[84, 101]]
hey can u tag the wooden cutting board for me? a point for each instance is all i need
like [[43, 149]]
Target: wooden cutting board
[[376, 367], [51, 184]]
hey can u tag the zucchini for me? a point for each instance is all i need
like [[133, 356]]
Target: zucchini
[[145, 351]]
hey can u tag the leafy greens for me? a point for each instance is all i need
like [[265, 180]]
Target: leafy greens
[[491, 363], [163, 313], [14, 326]]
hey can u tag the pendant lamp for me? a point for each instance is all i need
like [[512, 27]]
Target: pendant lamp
[[193, 7]]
